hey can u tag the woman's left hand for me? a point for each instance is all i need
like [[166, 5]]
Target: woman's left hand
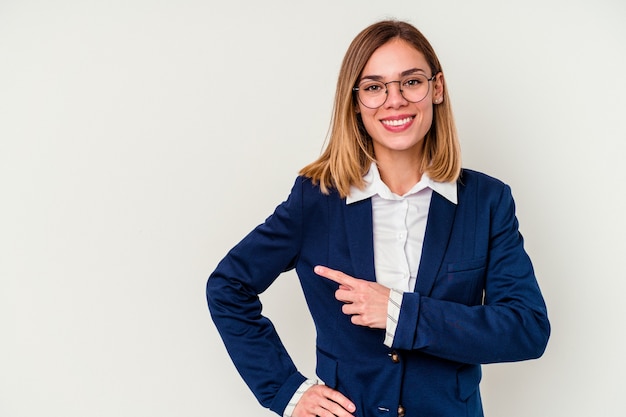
[[365, 301]]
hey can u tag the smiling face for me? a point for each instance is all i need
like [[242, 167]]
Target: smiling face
[[398, 126]]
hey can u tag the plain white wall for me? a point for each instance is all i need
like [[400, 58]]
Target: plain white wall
[[134, 134]]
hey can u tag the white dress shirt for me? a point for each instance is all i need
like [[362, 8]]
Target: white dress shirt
[[399, 226]]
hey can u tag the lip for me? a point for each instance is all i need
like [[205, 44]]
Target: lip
[[398, 123]]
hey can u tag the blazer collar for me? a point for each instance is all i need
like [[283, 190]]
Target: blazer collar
[[360, 235], [438, 230]]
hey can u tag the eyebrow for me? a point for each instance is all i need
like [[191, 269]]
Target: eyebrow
[[402, 74]]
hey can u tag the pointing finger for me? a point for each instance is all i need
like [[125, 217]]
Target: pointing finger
[[334, 275]]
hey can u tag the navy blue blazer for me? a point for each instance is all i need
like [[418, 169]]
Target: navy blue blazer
[[476, 301]]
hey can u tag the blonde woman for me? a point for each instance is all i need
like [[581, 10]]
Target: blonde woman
[[413, 268]]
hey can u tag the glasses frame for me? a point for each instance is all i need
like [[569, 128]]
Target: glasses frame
[[357, 89]]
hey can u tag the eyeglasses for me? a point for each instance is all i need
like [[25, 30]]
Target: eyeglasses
[[373, 94]]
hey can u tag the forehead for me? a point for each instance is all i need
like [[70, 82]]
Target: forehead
[[393, 58]]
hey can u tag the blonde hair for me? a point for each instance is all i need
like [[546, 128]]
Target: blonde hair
[[349, 151]]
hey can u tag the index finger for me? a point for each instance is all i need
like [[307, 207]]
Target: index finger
[[335, 275]]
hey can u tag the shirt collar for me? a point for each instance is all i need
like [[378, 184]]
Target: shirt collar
[[374, 185]]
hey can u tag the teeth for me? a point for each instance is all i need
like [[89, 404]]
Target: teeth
[[399, 122]]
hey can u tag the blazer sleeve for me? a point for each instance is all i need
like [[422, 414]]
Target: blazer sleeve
[[232, 295], [510, 325]]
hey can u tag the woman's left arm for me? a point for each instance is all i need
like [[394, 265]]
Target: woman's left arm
[[510, 325]]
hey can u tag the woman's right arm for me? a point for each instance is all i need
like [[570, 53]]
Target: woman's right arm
[[233, 297]]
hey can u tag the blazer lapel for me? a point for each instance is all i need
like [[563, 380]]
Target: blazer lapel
[[438, 230], [359, 232]]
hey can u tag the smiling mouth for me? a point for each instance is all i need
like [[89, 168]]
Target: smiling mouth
[[397, 122]]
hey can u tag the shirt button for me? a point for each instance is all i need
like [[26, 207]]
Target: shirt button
[[395, 358], [401, 411]]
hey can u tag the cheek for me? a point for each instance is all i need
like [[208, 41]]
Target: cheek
[[426, 114], [369, 120], [428, 119]]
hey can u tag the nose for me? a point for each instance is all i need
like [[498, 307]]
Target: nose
[[394, 95]]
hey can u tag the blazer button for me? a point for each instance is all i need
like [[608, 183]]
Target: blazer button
[[395, 358], [401, 411]]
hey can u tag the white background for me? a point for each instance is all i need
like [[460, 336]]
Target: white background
[[140, 140]]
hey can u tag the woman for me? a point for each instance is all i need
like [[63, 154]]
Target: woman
[[413, 269]]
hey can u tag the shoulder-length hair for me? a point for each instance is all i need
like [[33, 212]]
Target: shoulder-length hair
[[349, 151]]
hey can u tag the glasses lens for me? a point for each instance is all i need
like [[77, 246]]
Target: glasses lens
[[372, 94], [415, 88]]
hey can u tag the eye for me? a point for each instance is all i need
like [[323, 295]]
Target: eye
[[372, 88], [413, 82]]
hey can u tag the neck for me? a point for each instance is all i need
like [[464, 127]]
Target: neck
[[399, 174]]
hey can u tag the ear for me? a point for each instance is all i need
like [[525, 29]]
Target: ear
[[438, 87]]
